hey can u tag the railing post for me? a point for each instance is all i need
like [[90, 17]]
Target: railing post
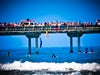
[[24, 28], [6, 28]]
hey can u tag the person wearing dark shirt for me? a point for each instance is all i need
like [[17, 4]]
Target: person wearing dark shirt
[[8, 53], [91, 50], [86, 50], [53, 56]]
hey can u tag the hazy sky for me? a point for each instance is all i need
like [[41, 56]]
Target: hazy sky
[[49, 10]]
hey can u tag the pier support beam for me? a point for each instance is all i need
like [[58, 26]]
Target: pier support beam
[[29, 44], [79, 44], [30, 35], [71, 44], [36, 44], [71, 35]]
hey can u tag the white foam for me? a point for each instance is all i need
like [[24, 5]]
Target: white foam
[[18, 65], [75, 73]]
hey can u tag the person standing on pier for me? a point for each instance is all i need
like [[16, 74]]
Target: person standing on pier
[[56, 27]]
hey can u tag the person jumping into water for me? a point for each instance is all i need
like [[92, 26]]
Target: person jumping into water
[[40, 42]]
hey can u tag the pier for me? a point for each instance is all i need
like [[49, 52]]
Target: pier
[[36, 31]]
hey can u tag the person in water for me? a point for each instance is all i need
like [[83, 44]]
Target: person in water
[[53, 55], [91, 50], [86, 50], [8, 53]]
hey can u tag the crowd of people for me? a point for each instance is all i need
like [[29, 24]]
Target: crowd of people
[[32, 23]]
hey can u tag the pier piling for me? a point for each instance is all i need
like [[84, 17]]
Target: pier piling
[[79, 44], [71, 44], [36, 44], [29, 44]]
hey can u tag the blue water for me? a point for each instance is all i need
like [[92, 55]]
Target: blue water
[[45, 55], [65, 63]]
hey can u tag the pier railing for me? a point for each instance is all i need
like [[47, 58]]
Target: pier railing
[[50, 28]]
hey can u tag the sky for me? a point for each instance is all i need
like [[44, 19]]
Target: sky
[[49, 10]]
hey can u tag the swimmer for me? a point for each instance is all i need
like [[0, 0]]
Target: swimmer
[[8, 54], [28, 55], [53, 56], [92, 50], [86, 50]]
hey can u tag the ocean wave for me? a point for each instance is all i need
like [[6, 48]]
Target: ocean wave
[[65, 67]]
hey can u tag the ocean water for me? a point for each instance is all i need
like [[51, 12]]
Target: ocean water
[[19, 62]]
